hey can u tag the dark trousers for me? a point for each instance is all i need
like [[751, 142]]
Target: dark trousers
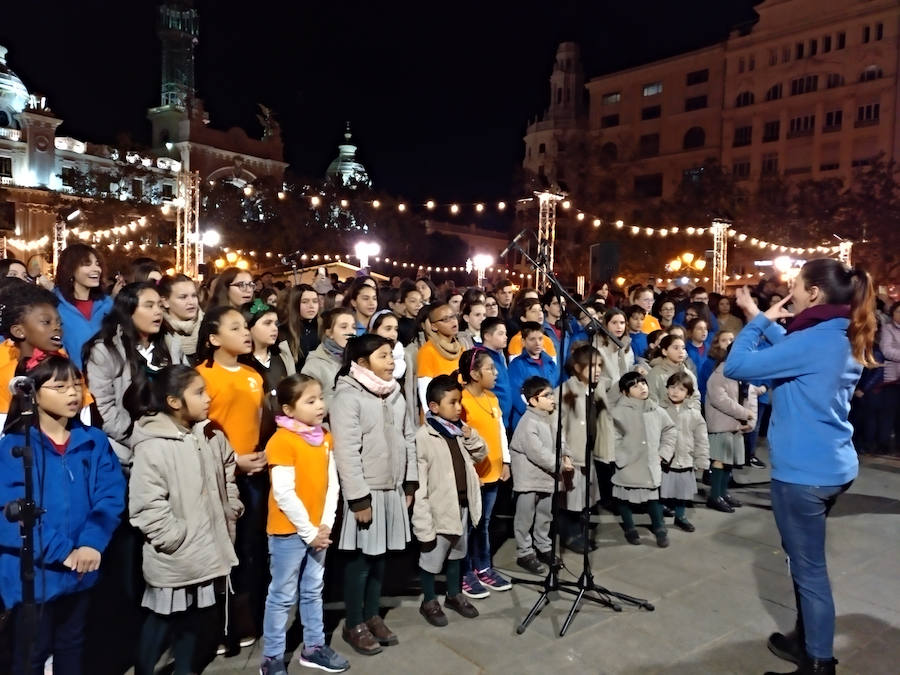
[[251, 576], [58, 630], [193, 635]]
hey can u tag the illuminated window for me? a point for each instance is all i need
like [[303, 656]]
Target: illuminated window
[[652, 89], [610, 98]]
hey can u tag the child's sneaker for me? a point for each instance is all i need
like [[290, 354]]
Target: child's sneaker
[[473, 588], [530, 563], [491, 579], [662, 538], [632, 537], [324, 658], [458, 603], [272, 665]]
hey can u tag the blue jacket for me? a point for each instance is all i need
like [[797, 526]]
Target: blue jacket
[[520, 369], [694, 352], [76, 329], [813, 375], [713, 321], [639, 343], [502, 389], [83, 492]]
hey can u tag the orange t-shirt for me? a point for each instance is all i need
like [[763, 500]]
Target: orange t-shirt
[[235, 403], [9, 361], [651, 323], [310, 464], [430, 363], [483, 414], [514, 348]]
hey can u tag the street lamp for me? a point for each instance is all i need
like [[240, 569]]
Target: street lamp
[[687, 261], [481, 262], [364, 249]]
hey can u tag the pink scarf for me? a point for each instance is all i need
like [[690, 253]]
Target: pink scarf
[[371, 381], [314, 435]]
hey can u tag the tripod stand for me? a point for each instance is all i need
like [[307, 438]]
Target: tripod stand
[[585, 588]]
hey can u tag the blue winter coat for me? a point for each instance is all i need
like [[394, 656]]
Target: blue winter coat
[[639, 343], [502, 389], [76, 329], [83, 493], [813, 375], [522, 368]]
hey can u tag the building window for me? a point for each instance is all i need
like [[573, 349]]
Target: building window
[[841, 40], [813, 47], [805, 125], [694, 137], [652, 89], [741, 169], [541, 171], [867, 34], [168, 191], [826, 44], [834, 80], [68, 174], [771, 131], [743, 136], [695, 103], [774, 92], [542, 148], [773, 57], [610, 151], [833, 120], [798, 50], [879, 31], [648, 145], [651, 112], [867, 114], [611, 97], [649, 185], [770, 164], [832, 166], [137, 188], [6, 167], [804, 85], [785, 54], [743, 99], [871, 73], [609, 121], [697, 77]]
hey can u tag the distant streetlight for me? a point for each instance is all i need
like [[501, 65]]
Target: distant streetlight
[[365, 249]]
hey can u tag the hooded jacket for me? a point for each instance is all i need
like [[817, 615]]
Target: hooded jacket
[[532, 452], [692, 446], [436, 506], [645, 434], [322, 366], [77, 331], [184, 500], [523, 368], [660, 373], [723, 412], [83, 494], [573, 403], [616, 362]]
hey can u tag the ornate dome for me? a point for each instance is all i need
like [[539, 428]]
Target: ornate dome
[[345, 169], [13, 94]]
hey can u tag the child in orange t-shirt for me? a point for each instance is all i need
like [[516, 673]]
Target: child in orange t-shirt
[[481, 411], [302, 508], [440, 353]]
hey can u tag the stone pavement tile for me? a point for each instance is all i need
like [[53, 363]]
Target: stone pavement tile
[[655, 574], [756, 525], [734, 654], [859, 622], [879, 657]]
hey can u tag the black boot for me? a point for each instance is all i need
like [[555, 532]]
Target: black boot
[[788, 647], [813, 667]]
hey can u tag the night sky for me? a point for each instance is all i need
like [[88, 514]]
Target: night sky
[[439, 94]]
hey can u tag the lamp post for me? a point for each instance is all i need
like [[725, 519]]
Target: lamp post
[[210, 238], [479, 263], [686, 261], [363, 250]]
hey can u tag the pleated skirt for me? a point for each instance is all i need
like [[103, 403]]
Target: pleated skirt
[[388, 531], [575, 496]]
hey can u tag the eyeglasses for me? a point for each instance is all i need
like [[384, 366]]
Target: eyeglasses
[[64, 388], [452, 317], [243, 285]]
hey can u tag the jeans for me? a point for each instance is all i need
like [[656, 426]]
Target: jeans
[[800, 512], [58, 630], [294, 565], [479, 557]]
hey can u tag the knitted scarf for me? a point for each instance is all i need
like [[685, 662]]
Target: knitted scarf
[[314, 435], [371, 381], [448, 348], [333, 348], [187, 330], [445, 428]]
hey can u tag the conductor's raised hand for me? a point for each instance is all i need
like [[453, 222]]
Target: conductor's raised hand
[[745, 301], [778, 311]]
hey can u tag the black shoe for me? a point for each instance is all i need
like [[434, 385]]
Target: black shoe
[[757, 462], [667, 512], [683, 524], [593, 544], [577, 545], [813, 667], [632, 537], [531, 564], [732, 502], [662, 538], [719, 504], [788, 647], [547, 558]]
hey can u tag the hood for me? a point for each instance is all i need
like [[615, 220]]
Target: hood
[[159, 425], [636, 404]]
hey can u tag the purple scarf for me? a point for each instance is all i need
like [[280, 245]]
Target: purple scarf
[[817, 314]]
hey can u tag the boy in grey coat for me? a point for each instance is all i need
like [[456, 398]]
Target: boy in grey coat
[[533, 464]]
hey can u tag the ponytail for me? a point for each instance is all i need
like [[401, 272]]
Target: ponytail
[[863, 324]]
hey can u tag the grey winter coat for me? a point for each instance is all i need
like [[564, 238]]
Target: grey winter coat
[[410, 382], [723, 412], [616, 362], [532, 452], [645, 434], [374, 442], [573, 404], [109, 379], [322, 366], [692, 447], [184, 500], [660, 373], [436, 506]]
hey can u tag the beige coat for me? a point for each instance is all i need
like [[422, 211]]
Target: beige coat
[[723, 412], [645, 434], [692, 447], [660, 373], [436, 506], [616, 362], [573, 403], [184, 500]]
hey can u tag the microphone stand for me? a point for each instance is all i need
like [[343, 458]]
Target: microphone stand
[[26, 512], [585, 588]]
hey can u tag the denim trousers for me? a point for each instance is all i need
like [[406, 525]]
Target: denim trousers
[[479, 557], [800, 512], [297, 570]]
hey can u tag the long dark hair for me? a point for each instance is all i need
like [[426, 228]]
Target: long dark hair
[[210, 326], [54, 367], [842, 285], [361, 347], [71, 259], [170, 381], [220, 286], [119, 323], [292, 322]]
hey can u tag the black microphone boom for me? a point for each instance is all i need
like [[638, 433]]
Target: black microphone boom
[[512, 244], [21, 384]]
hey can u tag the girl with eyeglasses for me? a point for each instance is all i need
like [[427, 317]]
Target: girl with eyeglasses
[[233, 288]]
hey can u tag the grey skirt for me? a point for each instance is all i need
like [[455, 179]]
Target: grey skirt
[[678, 485], [575, 496], [635, 495], [388, 531], [171, 600], [727, 447]]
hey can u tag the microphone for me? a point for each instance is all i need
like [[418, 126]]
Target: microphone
[[21, 385], [291, 257], [515, 241]]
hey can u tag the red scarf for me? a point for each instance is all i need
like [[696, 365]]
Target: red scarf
[[816, 314]]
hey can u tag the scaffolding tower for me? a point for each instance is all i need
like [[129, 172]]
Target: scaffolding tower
[[187, 224], [546, 233], [720, 254]]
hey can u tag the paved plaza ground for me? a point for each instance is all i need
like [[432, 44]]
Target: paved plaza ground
[[718, 593]]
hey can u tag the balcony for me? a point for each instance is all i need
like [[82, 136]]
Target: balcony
[[11, 134]]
